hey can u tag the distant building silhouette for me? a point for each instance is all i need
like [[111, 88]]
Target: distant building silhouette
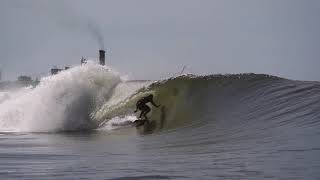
[[25, 80], [55, 71]]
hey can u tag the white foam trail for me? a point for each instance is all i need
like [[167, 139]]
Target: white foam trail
[[119, 122], [60, 102]]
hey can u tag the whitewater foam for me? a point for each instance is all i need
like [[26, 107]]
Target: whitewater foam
[[60, 102]]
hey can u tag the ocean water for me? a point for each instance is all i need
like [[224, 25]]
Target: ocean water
[[78, 125]]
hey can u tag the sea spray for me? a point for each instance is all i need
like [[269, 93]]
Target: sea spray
[[61, 102]]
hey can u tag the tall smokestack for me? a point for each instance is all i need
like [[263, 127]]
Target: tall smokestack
[[102, 57]]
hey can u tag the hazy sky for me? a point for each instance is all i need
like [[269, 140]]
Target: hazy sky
[[152, 39]]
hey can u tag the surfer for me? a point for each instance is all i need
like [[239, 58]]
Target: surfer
[[143, 107]]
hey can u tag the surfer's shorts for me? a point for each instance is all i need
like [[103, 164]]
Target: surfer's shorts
[[143, 107]]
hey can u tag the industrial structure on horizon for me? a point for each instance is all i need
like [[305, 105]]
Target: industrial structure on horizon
[[24, 80], [102, 57], [102, 61]]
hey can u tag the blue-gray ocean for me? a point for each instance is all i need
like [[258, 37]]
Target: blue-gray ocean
[[78, 125]]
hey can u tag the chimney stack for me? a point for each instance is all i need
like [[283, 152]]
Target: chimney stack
[[102, 57]]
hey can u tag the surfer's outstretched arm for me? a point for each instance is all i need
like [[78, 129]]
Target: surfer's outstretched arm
[[154, 104]]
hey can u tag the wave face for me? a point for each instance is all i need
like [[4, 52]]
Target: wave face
[[233, 101]]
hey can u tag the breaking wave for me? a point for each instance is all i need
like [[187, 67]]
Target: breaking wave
[[224, 100], [92, 97], [59, 103]]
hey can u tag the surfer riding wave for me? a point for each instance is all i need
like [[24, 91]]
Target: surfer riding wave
[[143, 107]]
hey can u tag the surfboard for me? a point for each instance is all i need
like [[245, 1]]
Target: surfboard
[[147, 127], [139, 122]]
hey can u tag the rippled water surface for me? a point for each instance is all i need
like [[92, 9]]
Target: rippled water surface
[[188, 153]]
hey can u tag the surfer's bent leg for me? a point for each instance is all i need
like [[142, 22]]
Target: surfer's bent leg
[[146, 111], [141, 114], [140, 108]]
